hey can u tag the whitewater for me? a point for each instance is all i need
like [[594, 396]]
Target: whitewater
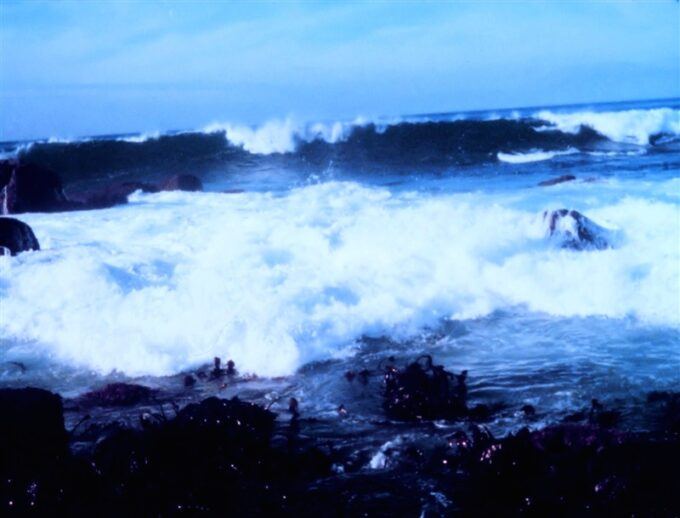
[[311, 256]]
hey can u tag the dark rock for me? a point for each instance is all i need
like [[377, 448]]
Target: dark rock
[[30, 188], [217, 371], [32, 424], [293, 408], [213, 457], [189, 381], [568, 470], [182, 182], [111, 195], [555, 181], [424, 391], [529, 410], [666, 407], [16, 236], [117, 394], [601, 417], [33, 449], [575, 231]]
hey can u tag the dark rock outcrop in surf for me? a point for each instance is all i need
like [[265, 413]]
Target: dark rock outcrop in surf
[[424, 391], [16, 236], [26, 187], [575, 231], [112, 195], [557, 180], [30, 188]]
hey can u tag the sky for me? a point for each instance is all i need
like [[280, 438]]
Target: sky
[[72, 69]]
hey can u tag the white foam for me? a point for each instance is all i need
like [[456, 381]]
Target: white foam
[[274, 281], [141, 138], [535, 155], [628, 126], [282, 136]]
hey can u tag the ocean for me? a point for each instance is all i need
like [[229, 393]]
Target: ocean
[[322, 248]]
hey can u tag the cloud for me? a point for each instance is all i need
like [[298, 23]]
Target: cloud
[[260, 60]]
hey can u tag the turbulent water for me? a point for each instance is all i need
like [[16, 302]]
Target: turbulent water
[[324, 247]]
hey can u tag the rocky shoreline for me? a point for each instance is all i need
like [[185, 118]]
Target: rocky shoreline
[[213, 456]]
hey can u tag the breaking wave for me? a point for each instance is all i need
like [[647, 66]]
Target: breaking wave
[[410, 143]]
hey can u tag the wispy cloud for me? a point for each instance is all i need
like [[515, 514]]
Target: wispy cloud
[[258, 60]]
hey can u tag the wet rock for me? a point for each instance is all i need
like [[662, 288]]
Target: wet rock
[[423, 391], [294, 408], [601, 417], [112, 195], [217, 371], [32, 424], [575, 231], [666, 409], [16, 236], [213, 457], [117, 394], [557, 180], [182, 182], [30, 188], [569, 470], [33, 449]]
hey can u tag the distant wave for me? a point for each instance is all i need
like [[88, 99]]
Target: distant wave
[[408, 144], [630, 126]]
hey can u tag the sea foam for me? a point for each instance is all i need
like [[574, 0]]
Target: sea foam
[[628, 126], [274, 281]]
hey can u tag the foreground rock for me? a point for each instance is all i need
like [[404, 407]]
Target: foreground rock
[[568, 471], [573, 230], [16, 236], [117, 394], [229, 457], [213, 457]]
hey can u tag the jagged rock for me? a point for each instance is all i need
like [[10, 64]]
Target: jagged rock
[[573, 230], [16, 236], [424, 391]]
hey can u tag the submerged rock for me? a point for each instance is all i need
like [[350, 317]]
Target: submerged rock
[[16, 236], [575, 231]]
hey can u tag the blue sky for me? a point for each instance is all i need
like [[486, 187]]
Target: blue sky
[[70, 69]]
